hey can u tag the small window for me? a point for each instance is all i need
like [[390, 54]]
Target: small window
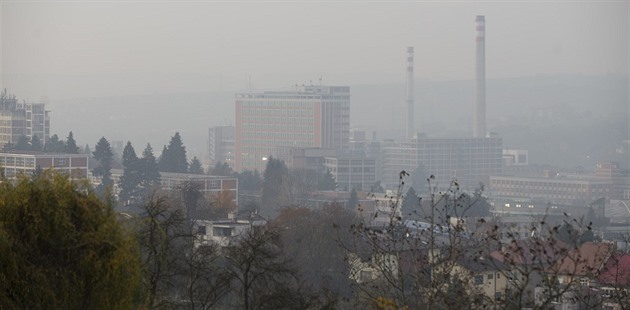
[[201, 230], [498, 275], [497, 296], [489, 276], [479, 280]]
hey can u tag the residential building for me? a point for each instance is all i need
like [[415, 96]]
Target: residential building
[[309, 116], [224, 232], [74, 165], [221, 143]]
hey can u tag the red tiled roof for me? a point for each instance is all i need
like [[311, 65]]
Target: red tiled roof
[[616, 271], [587, 260]]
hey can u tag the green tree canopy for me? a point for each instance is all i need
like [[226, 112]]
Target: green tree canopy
[[222, 169], [103, 153], [62, 248], [195, 166], [411, 205], [54, 145], [173, 157], [23, 143], [149, 171], [71, 145], [131, 178], [249, 180], [36, 144], [275, 187]]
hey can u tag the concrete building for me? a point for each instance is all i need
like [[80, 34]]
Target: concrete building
[[74, 165], [309, 116], [22, 119], [221, 144], [562, 188], [513, 157], [351, 172], [467, 160]]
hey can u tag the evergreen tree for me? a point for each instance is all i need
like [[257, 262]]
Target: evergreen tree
[[86, 149], [8, 147], [411, 205], [23, 144], [71, 145], [195, 166], [54, 145], [173, 157], [249, 181], [327, 182], [353, 201], [149, 170], [36, 144], [222, 169], [103, 154], [419, 178], [131, 178], [275, 187]]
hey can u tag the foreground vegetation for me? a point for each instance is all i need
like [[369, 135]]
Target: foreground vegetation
[[65, 248]]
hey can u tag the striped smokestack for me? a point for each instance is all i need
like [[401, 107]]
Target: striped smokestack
[[410, 121], [479, 114]]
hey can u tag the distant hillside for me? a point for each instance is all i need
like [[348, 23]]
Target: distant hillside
[[560, 119]]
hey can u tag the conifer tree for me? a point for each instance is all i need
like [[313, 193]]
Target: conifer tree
[[54, 145], [131, 178], [103, 154], [150, 172], [195, 166], [71, 145], [353, 201], [173, 157], [36, 144]]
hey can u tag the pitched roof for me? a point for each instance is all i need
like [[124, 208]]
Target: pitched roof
[[616, 271], [532, 251], [586, 260]]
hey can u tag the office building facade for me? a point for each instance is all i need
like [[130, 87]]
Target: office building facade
[[310, 116], [221, 144], [469, 161], [22, 119]]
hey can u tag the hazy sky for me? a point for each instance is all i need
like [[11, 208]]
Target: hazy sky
[[93, 48]]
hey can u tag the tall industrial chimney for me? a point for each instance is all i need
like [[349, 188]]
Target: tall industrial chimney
[[410, 121], [479, 114]]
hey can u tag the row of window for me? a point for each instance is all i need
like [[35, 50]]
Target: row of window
[[304, 127]]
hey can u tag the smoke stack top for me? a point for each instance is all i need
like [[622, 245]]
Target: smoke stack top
[[410, 102], [479, 113]]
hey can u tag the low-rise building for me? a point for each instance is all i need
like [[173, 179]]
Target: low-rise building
[[74, 165]]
